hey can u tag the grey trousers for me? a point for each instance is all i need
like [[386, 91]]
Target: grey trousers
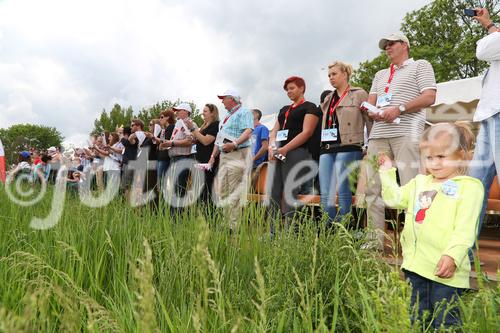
[[283, 180], [405, 152]]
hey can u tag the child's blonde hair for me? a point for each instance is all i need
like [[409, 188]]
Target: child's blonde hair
[[461, 140]]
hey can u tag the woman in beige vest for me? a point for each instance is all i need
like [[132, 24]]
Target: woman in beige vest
[[342, 139]]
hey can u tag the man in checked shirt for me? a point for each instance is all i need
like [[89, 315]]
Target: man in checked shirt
[[234, 146]]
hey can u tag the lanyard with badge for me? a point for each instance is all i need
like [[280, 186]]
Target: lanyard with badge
[[331, 133], [282, 135], [219, 141], [385, 99]]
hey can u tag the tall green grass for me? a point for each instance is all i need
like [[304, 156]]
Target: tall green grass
[[122, 269]]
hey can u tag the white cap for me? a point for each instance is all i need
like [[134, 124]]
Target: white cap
[[229, 92], [183, 106], [395, 37], [52, 149]]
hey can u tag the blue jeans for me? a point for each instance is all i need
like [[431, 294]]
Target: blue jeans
[[334, 169], [486, 162], [428, 293]]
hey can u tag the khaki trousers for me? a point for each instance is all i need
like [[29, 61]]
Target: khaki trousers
[[232, 182], [404, 151]]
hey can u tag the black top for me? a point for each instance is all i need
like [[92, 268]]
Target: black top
[[203, 152], [295, 123], [335, 146], [163, 154], [152, 155], [130, 152]]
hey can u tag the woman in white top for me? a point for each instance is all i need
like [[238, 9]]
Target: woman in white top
[[112, 155]]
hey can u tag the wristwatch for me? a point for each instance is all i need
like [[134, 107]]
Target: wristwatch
[[489, 26], [402, 109]]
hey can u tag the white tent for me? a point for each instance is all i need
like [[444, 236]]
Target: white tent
[[455, 100]]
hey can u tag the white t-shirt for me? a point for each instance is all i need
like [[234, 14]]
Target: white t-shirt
[[113, 160]]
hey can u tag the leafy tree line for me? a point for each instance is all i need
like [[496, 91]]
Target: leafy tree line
[[440, 33], [121, 116], [21, 137]]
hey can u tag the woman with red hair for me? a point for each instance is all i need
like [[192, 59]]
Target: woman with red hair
[[290, 144]]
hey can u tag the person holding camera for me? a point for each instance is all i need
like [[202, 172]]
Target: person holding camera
[[486, 161]]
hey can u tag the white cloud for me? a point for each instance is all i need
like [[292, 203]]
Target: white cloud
[[62, 62]]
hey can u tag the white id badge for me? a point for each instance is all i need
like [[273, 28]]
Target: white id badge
[[384, 100], [282, 135], [330, 134]]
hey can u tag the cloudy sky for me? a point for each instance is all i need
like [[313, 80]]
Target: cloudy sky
[[63, 61]]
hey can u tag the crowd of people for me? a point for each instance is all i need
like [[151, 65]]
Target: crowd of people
[[443, 197]]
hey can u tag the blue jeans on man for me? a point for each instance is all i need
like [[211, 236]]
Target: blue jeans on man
[[334, 170], [486, 162]]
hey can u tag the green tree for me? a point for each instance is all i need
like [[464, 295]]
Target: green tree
[[153, 112], [25, 136], [118, 116], [440, 33]]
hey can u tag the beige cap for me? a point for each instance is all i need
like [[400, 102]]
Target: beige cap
[[397, 36]]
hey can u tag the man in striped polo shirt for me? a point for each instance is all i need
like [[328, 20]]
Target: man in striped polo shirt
[[400, 92]]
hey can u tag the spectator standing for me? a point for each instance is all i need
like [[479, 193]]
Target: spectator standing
[[129, 154], [41, 170], [167, 123], [400, 91], [234, 146], [290, 140], [111, 153], [486, 161], [260, 140], [205, 141], [179, 150], [342, 139]]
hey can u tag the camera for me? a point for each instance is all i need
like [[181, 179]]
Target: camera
[[470, 12]]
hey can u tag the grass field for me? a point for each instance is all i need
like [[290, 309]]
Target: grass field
[[122, 269]]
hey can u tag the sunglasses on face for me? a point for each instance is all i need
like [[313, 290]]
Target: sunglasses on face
[[391, 43]]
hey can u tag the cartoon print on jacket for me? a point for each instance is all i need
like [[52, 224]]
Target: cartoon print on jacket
[[423, 203]]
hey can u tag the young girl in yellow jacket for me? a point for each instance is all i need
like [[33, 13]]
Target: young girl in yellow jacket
[[442, 212]]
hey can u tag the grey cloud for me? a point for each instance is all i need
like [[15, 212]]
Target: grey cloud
[[253, 46]]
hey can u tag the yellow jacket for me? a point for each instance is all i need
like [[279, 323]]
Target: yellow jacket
[[441, 219]]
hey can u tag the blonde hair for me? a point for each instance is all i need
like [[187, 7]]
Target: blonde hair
[[215, 115], [461, 140], [344, 67]]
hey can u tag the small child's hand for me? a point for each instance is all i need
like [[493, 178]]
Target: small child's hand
[[384, 161], [446, 267]]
